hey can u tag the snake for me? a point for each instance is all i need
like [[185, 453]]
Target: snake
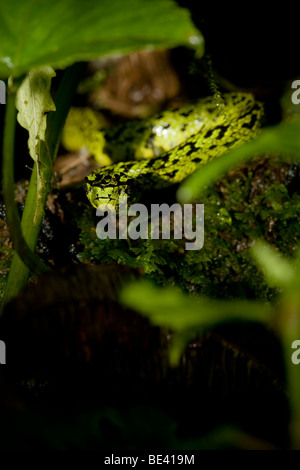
[[165, 149]]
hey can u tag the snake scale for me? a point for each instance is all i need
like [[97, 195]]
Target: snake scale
[[167, 148]]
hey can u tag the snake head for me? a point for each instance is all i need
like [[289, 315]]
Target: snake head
[[106, 185], [99, 192]]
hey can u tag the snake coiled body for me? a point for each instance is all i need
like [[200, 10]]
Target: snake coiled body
[[238, 120]]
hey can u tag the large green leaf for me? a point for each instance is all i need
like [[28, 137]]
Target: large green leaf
[[34, 33]]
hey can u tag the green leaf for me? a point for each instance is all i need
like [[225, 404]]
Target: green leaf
[[187, 315], [33, 101], [58, 33], [277, 269], [283, 138]]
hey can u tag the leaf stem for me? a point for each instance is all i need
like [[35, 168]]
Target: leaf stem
[[34, 207], [29, 258]]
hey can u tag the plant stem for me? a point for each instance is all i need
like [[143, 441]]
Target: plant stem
[[23, 249], [19, 271], [8, 189], [34, 207]]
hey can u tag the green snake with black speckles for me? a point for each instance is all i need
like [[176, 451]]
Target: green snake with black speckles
[[194, 134]]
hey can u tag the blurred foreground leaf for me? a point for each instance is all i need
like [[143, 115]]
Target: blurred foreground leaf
[[277, 269], [188, 316], [286, 275]]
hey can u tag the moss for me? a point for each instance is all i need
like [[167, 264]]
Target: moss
[[249, 203]]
